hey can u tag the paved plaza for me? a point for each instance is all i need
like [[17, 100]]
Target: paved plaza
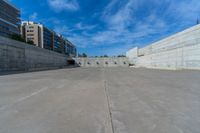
[[100, 100]]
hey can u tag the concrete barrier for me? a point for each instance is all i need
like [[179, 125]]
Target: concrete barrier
[[18, 56], [180, 51], [102, 62]]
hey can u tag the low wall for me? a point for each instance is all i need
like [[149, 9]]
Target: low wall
[[102, 62], [18, 56], [180, 51]]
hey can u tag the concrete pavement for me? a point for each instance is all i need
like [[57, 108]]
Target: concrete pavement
[[100, 100]]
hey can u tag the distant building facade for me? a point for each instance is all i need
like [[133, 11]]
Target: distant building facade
[[9, 19], [69, 48], [48, 38], [57, 40], [43, 37], [32, 32]]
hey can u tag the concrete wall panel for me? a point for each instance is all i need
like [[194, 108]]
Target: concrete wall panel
[[180, 51], [102, 62], [18, 56]]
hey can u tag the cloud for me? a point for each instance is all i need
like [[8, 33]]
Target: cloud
[[126, 23], [117, 31], [185, 9], [120, 18], [81, 26], [33, 16], [123, 26], [69, 31], [63, 5], [62, 29]]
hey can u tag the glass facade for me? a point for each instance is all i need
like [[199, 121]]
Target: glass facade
[[9, 19], [57, 43], [48, 38], [69, 48]]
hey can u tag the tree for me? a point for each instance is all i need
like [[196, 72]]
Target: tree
[[121, 56], [30, 42], [21, 39], [105, 56], [17, 37], [84, 55]]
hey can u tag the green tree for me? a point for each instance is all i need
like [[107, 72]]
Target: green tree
[[121, 56], [84, 55], [17, 37], [30, 42]]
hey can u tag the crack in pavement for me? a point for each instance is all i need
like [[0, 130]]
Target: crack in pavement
[[24, 98]]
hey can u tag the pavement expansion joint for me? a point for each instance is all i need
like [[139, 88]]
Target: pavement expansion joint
[[108, 102]]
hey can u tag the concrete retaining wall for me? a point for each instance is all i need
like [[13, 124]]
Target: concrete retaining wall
[[18, 56], [102, 62], [180, 51]]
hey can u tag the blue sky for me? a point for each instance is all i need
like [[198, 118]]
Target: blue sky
[[111, 27]]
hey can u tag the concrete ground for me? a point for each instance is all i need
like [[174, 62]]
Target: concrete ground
[[100, 100]]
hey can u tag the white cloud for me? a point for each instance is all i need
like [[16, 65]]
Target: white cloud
[[33, 16], [117, 31], [67, 31], [122, 17], [81, 26], [186, 9], [124, 26], [63, 5], [62, 29]]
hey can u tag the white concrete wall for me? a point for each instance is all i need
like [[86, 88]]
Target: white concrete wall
[[102, 62], [132, 53], [180, 51]]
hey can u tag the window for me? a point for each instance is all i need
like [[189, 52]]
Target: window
[[30, 34], [30, 30]]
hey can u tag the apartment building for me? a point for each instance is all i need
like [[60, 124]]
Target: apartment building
[[48, 38], [57, 40], [69, 48], [9, 19], [32, 32], [43, 37]]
